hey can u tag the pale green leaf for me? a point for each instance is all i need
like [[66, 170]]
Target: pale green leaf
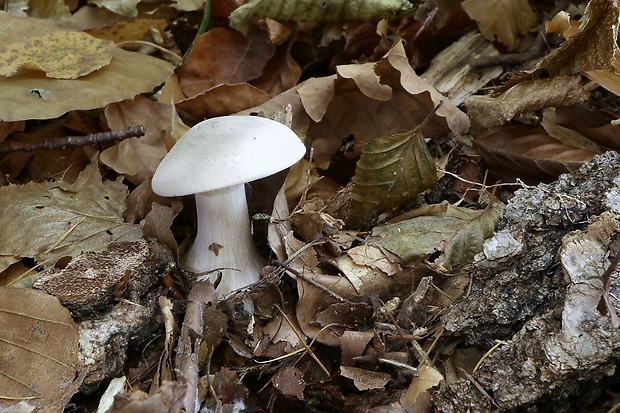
[[313, 10], [457, 234], [391, 171]]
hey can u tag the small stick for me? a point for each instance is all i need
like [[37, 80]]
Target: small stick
[[68, 141]]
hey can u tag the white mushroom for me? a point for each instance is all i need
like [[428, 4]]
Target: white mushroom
[[214, 160]]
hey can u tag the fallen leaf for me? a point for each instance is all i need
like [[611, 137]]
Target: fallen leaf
[[223, 100], [123, 31], [391, 171], [137, 158], [365, 379], [39, 350], [224, 57], [592, 48], [51, 220], [502, 20], [59, 55], [594, 125], [33, 96], [458, 234], [529, 152], [165, 399], [290, 382], [121, 7], [418, 398], [311, 10]]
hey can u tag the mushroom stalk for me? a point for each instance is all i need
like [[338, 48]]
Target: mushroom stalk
[[224, 240]]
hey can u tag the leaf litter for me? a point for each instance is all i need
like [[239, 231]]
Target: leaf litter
[[380, 227]]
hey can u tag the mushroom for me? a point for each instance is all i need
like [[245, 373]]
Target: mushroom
[[214, 160]]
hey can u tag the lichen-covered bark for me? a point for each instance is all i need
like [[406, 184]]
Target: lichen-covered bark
[[537, 285]]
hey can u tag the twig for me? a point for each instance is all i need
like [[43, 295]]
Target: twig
[[69, 141], [302, 341], [511, 59], [309, 281]]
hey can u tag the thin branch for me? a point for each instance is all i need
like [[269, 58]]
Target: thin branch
[[73, 141]]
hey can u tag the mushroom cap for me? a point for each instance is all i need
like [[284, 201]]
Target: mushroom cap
[[226, 151]]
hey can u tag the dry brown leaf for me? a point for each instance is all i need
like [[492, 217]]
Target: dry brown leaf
[[223, 100], [157, 223], [418, 398], [39, 350], [167, 398], [502, 20], [405, 101], [280, 74], [610, 80], [367, 268], [353, 344], [530, 152], [126, 8], [290, 382], [224, 57], [123, 31], [365, 379], [594, 125], [593, 47], [137, 158]]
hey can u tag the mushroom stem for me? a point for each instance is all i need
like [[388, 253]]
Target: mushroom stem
[[224, 240]]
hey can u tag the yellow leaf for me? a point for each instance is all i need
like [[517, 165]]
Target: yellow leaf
[[61, 55]]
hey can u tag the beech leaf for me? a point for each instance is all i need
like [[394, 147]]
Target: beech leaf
[[457, 233], [50, 220], [529, 151], [592, 48], [502, 19], [33, 96], [39, 350], [312, 10], [392, 170], [60, 55]]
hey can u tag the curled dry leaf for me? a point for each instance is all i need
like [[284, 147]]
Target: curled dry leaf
[[530, 152], [592, 48], [334, 108], [391, 171], [458, 234], [487, 112], [594, 125], [311, 10], [39, 350]]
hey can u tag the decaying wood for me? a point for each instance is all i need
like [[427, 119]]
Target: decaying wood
[[537, 285], [113, 297]]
